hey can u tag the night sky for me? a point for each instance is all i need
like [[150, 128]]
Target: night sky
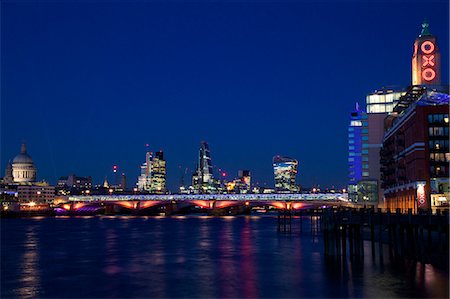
[[88, 84]]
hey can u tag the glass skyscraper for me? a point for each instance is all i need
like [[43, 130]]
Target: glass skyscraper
[[285, 172], [203, 179]]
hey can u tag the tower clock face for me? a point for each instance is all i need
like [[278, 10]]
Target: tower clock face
[[428, 60]]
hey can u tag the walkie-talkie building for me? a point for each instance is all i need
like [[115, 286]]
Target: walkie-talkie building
[[285, 172]]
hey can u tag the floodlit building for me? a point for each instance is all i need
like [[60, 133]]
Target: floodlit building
[[144, 179], [285, 173], [153, 174], [357, 158], [37, 193], [241, 184], [23, 169], [415, 155], [158, 174]]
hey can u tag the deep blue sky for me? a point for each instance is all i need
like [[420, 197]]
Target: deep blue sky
[[88, 84]]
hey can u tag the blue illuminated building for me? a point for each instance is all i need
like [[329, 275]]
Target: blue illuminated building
[[357, 155]]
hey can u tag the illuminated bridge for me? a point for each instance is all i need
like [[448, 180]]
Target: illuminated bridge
[[220, 203], [239, 197]]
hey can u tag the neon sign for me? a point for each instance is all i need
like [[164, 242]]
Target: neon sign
[[428, 74], [428, 61], [421, 196], [427, 47]]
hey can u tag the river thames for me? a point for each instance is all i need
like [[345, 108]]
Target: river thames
[[191, 257]]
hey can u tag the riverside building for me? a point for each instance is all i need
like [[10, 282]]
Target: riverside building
[[415, 152], [20, 178], [415, 155]]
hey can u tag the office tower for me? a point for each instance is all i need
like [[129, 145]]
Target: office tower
[[244, 177], [123, 182], [285, 172], [357, 158], [415, 155], [158, 173], [144, 179], [379, 104], [203, 180], [426, 60]]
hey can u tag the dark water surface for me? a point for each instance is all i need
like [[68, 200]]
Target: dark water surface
[[194, 256]]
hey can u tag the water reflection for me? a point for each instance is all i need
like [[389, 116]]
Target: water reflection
[[30, 276], [187, 257], [247, 262]]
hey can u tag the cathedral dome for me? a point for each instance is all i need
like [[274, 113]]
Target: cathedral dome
[[23, 157], [23, 169]]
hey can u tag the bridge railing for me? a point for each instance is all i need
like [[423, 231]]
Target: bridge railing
[[243, 197]]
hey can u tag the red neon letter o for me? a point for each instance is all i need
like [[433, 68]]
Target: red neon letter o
[[425, 44], [428, 74]]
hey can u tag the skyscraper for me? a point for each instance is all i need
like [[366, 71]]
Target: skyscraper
[[153, 174], [203, 179], [357, 131], [379, 104], [144, 180], [285, 172], [158, 174]]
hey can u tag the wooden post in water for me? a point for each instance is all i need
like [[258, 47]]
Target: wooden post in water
[[389, 225], [372, 231], [380, 235], [421, 238]]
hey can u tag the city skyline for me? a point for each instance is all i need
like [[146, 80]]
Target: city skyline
[[81, 119]]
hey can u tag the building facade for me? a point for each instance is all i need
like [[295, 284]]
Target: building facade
[[158, 174], [38, 193], [415, 153], [285, 174], [357, 132], [153, 174]]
